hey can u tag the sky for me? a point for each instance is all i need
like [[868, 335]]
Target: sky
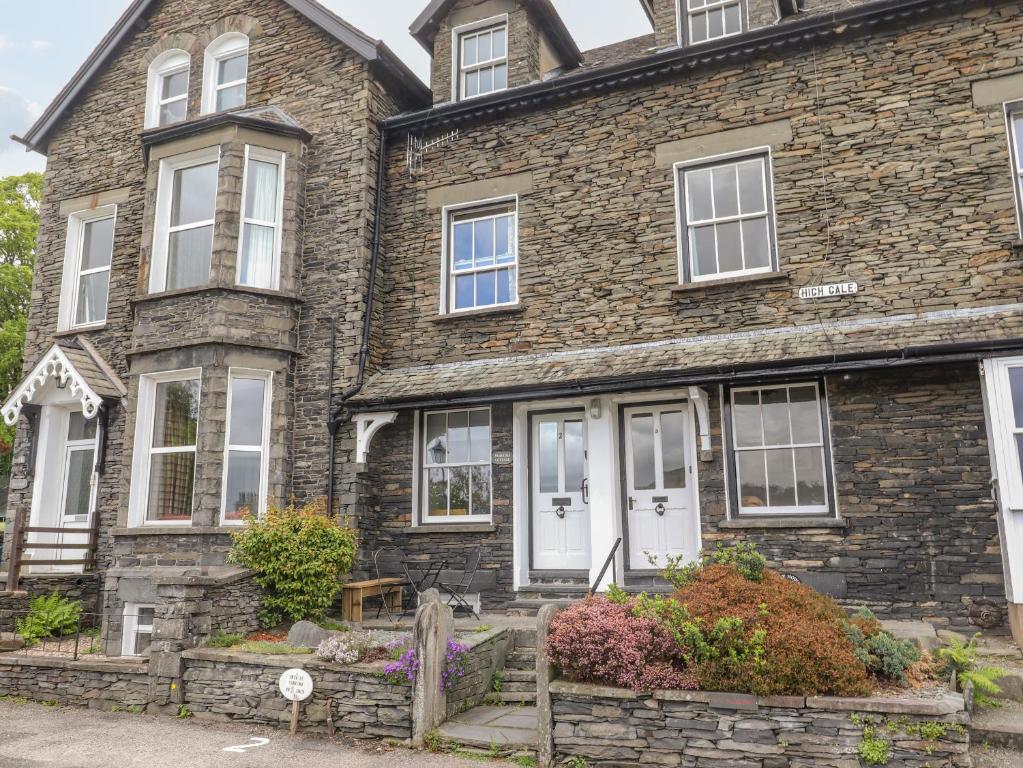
[[43, 42]]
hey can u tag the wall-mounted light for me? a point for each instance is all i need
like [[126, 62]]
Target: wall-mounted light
[[595, 408]]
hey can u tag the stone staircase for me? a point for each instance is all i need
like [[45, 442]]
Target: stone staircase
[[518, 679], [562, 588]]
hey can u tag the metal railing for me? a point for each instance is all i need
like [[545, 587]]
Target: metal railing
[[20, 545], [93, 634], [609, 563]]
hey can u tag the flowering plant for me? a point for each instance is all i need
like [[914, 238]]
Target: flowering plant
[[404, 669], [454, 665], [342, 649]]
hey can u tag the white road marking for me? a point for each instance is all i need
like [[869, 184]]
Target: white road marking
[[257, 742]]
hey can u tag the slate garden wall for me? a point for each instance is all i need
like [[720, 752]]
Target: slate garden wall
[[485, 656], [84, 683]]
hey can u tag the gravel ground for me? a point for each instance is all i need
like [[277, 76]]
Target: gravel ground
[[34, 736], [996, 758]]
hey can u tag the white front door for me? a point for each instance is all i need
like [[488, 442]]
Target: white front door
[[1004, 405], [561, 518], [662, 519]]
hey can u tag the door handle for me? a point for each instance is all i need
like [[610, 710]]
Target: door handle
[[660, 510], [632, 503], [585, 488], [560, 512]]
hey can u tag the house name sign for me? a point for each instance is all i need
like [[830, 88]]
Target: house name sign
[[831, 291]]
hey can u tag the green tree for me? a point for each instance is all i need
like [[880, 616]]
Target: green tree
[[20, 198]]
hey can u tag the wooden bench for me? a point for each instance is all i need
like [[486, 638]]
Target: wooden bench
[[353, 594]]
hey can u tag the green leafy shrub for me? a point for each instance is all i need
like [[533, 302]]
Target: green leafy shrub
[[873, 749], [961, 658], [299, 557], [881, 653], [49, 616], [743, 556], [224, 641]]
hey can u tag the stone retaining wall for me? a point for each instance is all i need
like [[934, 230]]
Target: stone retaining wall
[[486, 652], [225, 685], [83, 683], [616, 727]]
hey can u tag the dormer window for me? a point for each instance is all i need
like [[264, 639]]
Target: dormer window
[[706, 20], [167, 101], [482, 62], [225, 73]]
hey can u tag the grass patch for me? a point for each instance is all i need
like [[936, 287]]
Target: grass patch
[[271, 649], [222, 640]]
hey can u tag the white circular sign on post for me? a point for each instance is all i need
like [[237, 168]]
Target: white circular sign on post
[[296, 685]]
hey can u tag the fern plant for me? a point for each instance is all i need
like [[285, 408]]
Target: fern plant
[[49, 616], [961, 658]]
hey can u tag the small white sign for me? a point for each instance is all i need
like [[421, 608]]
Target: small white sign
[[296, 685], [834, 290]]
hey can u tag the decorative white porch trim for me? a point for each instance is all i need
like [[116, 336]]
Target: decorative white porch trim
[[54, 364], [366, 426], [700, 399]]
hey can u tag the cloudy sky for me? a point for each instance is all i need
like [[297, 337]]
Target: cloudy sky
[[43, 42]]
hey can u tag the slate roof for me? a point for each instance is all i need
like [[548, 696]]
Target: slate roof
[[620, 52], [704, 358]]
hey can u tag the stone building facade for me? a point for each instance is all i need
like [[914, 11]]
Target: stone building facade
[[752, 276]]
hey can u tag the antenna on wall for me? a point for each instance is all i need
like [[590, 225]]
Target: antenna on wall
[[417, 149]]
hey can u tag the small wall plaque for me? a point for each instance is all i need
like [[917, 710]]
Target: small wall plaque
[[831, 291], [501, 458]]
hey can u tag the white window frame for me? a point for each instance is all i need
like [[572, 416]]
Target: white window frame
[[686, 273], [72, 274], [423, 467], [280, 160], [141, 460], [448, 214], [168, 63], [825, 510], [1014, 111], [1004, 429], [224, 47], [75, 446], [164, 200], [264, 449], [130, 627], [458, 72], [684, 16]]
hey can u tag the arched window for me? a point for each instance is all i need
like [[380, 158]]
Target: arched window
[[167, 100], [225, 72]]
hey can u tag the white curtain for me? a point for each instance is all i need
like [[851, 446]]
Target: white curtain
[[260, 240]]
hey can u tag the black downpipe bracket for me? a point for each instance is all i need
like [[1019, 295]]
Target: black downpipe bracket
[[338, 416]]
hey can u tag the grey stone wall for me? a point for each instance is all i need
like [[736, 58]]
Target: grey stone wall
[[228, 686], [485, 656], [92, 684], [615, 727]]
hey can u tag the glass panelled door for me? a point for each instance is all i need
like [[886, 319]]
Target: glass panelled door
[[561, 520], [662, 519]]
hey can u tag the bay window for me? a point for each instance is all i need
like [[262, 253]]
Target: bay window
[[247, 444], [185, 213], [456, 466], [482, 263], [778, 451], [87, 257], [166, 437], [263, 202]]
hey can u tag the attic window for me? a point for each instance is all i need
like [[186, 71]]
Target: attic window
[[225, 73], [707, 20], [482, 64], [167, 100]]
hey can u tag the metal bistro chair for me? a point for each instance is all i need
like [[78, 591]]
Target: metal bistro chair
[[457, 592], [389, 563]]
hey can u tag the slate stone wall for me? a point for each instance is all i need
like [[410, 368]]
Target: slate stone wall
[[221, 685], [485, 656], [615, 727], [92, 684]]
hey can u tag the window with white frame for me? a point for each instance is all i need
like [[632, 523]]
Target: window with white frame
[[259, 247], [167, 100], [165, 439], [707, 20], [779, 449], [482, 261], [137, 629], [726, 211], [186, 205], [456, 465], [79, 465], [225, 73], [248, 429], [482, 60], [87, 256], [1015, 118]]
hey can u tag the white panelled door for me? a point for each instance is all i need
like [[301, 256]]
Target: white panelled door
[[561, 519], [662, 517]]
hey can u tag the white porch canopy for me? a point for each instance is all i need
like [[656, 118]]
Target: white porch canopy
[[74, 367]]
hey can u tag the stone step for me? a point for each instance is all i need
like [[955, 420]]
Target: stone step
[[531, 606], [513, 697], [510, 731], [516, 687], [521, 660], [519, 676], [999, 726]]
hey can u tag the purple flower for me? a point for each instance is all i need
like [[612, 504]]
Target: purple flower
[[454, 665]]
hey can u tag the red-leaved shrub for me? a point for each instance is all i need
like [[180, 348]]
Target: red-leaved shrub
[[597, 641]]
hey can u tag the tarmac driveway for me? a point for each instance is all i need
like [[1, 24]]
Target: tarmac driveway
[[34, 736]]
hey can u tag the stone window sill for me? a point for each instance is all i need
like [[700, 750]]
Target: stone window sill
[[69, 332], [421, 530], [454, 317], [766, 277], [174, 530], [160, 295], [782, 523]]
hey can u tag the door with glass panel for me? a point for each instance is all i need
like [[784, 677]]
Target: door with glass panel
[[662, 519], [561, 517]]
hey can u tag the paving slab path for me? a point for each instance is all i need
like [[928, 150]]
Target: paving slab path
[[34, 736], [507, 727]]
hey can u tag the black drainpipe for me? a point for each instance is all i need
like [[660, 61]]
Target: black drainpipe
[[337, 417]]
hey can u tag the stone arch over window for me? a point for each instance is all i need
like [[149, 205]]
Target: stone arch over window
[[225, 62], [168, 73]]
